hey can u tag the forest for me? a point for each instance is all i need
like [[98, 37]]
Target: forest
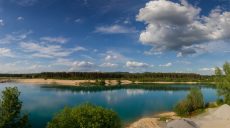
[[143, 77]]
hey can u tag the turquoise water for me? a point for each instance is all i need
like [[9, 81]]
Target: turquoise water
[[42, 102]]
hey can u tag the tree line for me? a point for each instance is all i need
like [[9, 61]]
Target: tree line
[[147, 76]]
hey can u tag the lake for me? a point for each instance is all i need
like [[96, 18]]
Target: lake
[[131, 103]]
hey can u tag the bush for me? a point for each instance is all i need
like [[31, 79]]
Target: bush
[[183, 108], [85, 116], [193, 102], [196, 98]]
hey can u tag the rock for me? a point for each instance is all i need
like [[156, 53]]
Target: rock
[[182, 123], [223, 112]]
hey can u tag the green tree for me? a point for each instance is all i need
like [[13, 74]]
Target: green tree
[[191, 103], [222, 81], [85, 116], [10, 110]]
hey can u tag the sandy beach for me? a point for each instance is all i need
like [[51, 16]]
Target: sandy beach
[[79, 82], [67, 82]]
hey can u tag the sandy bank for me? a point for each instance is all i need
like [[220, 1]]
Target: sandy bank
[[78, 82], [67, 82], [162, 82]]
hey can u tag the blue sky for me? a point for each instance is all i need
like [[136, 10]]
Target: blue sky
[[114, 35]]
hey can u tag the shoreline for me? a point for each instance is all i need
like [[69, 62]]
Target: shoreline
[[79, 82]]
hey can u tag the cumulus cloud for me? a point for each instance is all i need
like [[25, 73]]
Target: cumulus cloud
[[180, 26], [114, 29], [135, 64], [166, 65], [5, 52], [61, 40]]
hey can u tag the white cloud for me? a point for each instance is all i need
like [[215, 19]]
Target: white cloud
[[152, 52], [79, 48], [45, 50], [135, 64], [108, 65], [14, 38], [114, 56], [82, 66], [20, 18], [5, 52], [78, 20], [111, 57], [207, 69], [61, 40], [166, 65], [180, 27], [2, 22], [31, 67], [76, 65], [114, 29]]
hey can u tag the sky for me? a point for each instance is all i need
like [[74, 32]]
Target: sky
[[185, 36]]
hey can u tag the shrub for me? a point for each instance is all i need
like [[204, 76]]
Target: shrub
[[85, 116], [193, 102], [183, 108], [196, 98]]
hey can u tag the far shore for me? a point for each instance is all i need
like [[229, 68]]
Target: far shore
[[79, 82]]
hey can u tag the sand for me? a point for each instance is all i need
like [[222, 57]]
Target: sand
[[78, 82], [67, 82]]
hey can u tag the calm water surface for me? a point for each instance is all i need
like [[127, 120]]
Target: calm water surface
[[42, 103]]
